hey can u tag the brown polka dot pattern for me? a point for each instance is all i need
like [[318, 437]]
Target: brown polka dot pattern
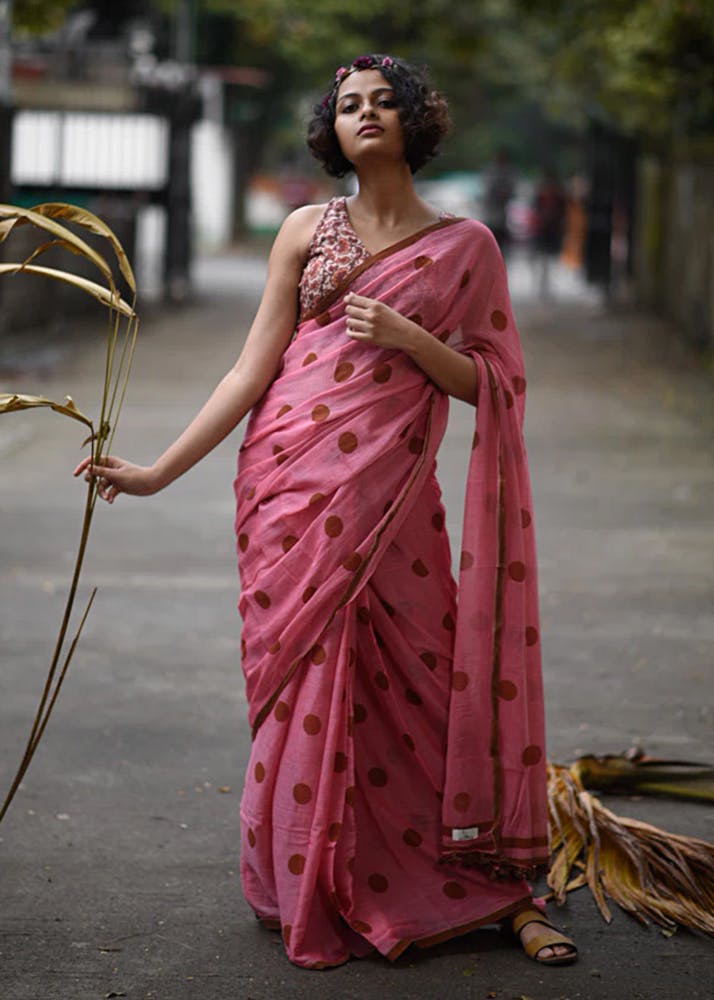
[[296, 864], [382, 373], [531, 635], [448, 622], [274, 647], [311, 724], [318, 654], [412, 696], [286, 931], [419, 569], [249, 492], [251, 837], [416, 318], [288, 542], [340, 762], [377, 776], [526, 518], [352, 562], [444, 336], [315, 498], [429, 659], [302, 793], [499, 320], [378, 882], [243, 648], [454, 890], [360, 712], [465, 278], [508, 397], [347, 442], [350, 795], [259, 772], [475, 441], [459, 680], [437, 521], [308, 359], [324, 319], [517, 571], [343, 371], [507, 690], [467, 560], [416, 444], [381, 680], [333, 526], [408, 742], [333, 831], [361, 926], [243, 541], [281, 711], [531, 755], [462, 801], [262, 599], [519, 384], [412, 838], [285, 408], [320, 413]]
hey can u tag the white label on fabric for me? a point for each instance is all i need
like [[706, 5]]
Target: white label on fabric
[[464, 833]]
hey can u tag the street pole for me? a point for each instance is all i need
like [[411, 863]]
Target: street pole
[[178, 201]]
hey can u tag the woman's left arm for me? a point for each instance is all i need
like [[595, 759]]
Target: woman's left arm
[[377, 323]]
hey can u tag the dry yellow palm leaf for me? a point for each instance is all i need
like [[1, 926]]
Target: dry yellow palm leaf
[[122, 329], [652, 874]]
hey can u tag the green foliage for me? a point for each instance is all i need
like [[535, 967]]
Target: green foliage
[[34, 16]]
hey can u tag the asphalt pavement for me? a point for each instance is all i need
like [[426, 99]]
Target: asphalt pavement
[[118, 858]]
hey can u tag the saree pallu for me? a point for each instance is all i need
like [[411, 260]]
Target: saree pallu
[[396, 790]]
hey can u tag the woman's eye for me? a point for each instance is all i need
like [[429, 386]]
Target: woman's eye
[[387, 103], [346, 108]]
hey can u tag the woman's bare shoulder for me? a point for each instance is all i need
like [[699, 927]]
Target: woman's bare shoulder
[[299, 227]]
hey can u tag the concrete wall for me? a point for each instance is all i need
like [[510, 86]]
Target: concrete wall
[[674, 257]]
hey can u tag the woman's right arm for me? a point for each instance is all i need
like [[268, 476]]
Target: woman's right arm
[[241, 387]]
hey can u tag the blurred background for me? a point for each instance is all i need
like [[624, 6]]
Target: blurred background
[[583, 131]]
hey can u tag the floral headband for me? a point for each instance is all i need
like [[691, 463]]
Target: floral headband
[[361, 62]]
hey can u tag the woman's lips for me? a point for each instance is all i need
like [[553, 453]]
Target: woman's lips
[[370, 128]]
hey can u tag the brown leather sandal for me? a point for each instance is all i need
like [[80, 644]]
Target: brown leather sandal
[[547, 939]]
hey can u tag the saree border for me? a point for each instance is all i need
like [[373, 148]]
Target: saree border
[[393, 248]]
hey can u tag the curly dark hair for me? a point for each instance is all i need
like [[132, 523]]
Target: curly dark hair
[[423, 113]]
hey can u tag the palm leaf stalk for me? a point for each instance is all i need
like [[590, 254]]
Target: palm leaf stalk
[[122, 328], [650, 873]]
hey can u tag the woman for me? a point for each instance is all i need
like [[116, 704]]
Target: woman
[[396, 788]]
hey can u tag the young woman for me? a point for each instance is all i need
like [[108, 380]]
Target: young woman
[[396, 790]]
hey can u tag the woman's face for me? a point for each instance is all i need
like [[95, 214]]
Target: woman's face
[[367, 121]]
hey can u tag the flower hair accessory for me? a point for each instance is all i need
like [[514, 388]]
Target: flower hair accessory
[[363, 62]]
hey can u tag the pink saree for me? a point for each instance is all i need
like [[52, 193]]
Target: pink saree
[[396, 790]]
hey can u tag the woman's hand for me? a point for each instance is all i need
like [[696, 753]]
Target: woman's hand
[[117, 476], [379, 324]]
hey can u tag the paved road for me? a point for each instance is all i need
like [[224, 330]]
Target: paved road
[[118, 857]]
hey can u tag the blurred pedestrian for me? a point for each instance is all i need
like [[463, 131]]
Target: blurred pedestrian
[[398, 754], [548, 226], [499, 188]]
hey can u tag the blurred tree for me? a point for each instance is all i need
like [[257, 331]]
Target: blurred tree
[[647, 66], [39, 15]]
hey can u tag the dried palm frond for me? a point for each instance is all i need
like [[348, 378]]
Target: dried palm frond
[[122, 328], [634, 772], [650, 873]]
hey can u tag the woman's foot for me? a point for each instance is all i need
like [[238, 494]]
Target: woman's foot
[[541, 941]]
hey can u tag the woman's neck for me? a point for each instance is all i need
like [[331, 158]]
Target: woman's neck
[[386, 198]]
